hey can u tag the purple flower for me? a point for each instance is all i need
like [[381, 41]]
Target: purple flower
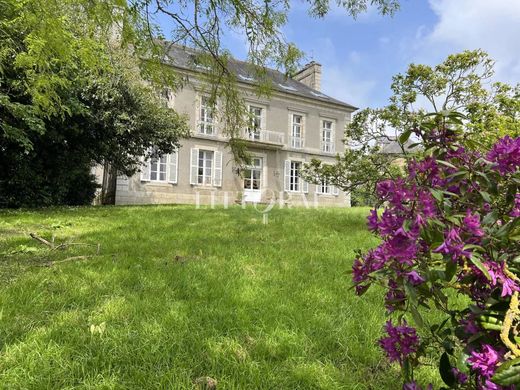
[[485, 362], [364, 266], [472, 224], [414, 386], [452, 245], [414, 278], [395, 297], [498, 276], [372, 221], [470, 326], [401, 341], [401, 248], [427, 204], [506, 154], [460, 377]]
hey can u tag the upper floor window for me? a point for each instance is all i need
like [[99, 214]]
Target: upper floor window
[[327, 136], [255, 122], [206, 123], [297, 129], [160, 169], [206, 167]]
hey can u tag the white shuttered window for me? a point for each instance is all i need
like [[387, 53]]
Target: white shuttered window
[[160, 169], [206, 167], [292, 180]]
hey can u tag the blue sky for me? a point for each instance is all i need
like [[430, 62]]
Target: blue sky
[[359, 57]]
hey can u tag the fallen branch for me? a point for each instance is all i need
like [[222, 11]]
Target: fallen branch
[[42, 240], [66, 245], [51, 263]]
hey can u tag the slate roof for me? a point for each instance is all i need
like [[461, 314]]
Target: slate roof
[[393, 147], [183, 57]]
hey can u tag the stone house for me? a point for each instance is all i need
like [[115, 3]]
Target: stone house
[[297, 123]]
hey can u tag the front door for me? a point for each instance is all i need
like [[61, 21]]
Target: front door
[[253, 181]]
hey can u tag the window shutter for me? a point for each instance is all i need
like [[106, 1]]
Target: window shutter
[[145, 170], [318, 188], [217, 171], [194, 168], [305, 186], [172, 167], [264, 118], [287, 175], [335, 190]]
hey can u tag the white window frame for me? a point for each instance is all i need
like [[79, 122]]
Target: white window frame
[[253, 131], [328, 145], [293, 182], [214, 164], [206, 124], [170, 163], [251, 168], [297, 142], [208, 158], [324, 188]]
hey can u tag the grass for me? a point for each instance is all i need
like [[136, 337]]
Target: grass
[[176, 294]]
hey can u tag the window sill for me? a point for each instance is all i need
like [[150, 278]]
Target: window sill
[[204, 187], [327, 195], [158, 183]]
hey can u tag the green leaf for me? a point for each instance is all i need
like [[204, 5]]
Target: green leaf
[[508, 373], [416, 316], [476, 261], [446, 163], [445, 370], [485, 196], [405, 136], [437, 194], [451, 269]]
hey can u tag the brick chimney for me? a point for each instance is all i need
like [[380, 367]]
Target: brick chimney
[[310, 75]]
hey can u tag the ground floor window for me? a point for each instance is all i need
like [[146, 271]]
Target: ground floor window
[[324, 187], [253, 175], [160, 169], [205, 167], [293, 179]]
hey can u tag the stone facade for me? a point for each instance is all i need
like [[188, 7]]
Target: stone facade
[[277, 153]]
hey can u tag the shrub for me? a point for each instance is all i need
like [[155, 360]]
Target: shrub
[[450, 241]]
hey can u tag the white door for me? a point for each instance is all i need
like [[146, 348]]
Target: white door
[[253, 181]]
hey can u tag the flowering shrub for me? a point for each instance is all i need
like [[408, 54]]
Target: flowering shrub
[[450, 241]]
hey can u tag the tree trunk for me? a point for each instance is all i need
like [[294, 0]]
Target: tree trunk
[[108, 187]]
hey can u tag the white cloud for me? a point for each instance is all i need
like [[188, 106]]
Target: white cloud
[[493, 26]]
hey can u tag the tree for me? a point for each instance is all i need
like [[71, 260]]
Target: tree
[[456, 85], [450, 238], [115, 122]]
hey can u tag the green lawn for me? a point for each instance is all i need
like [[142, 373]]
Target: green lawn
[[188, 293]]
